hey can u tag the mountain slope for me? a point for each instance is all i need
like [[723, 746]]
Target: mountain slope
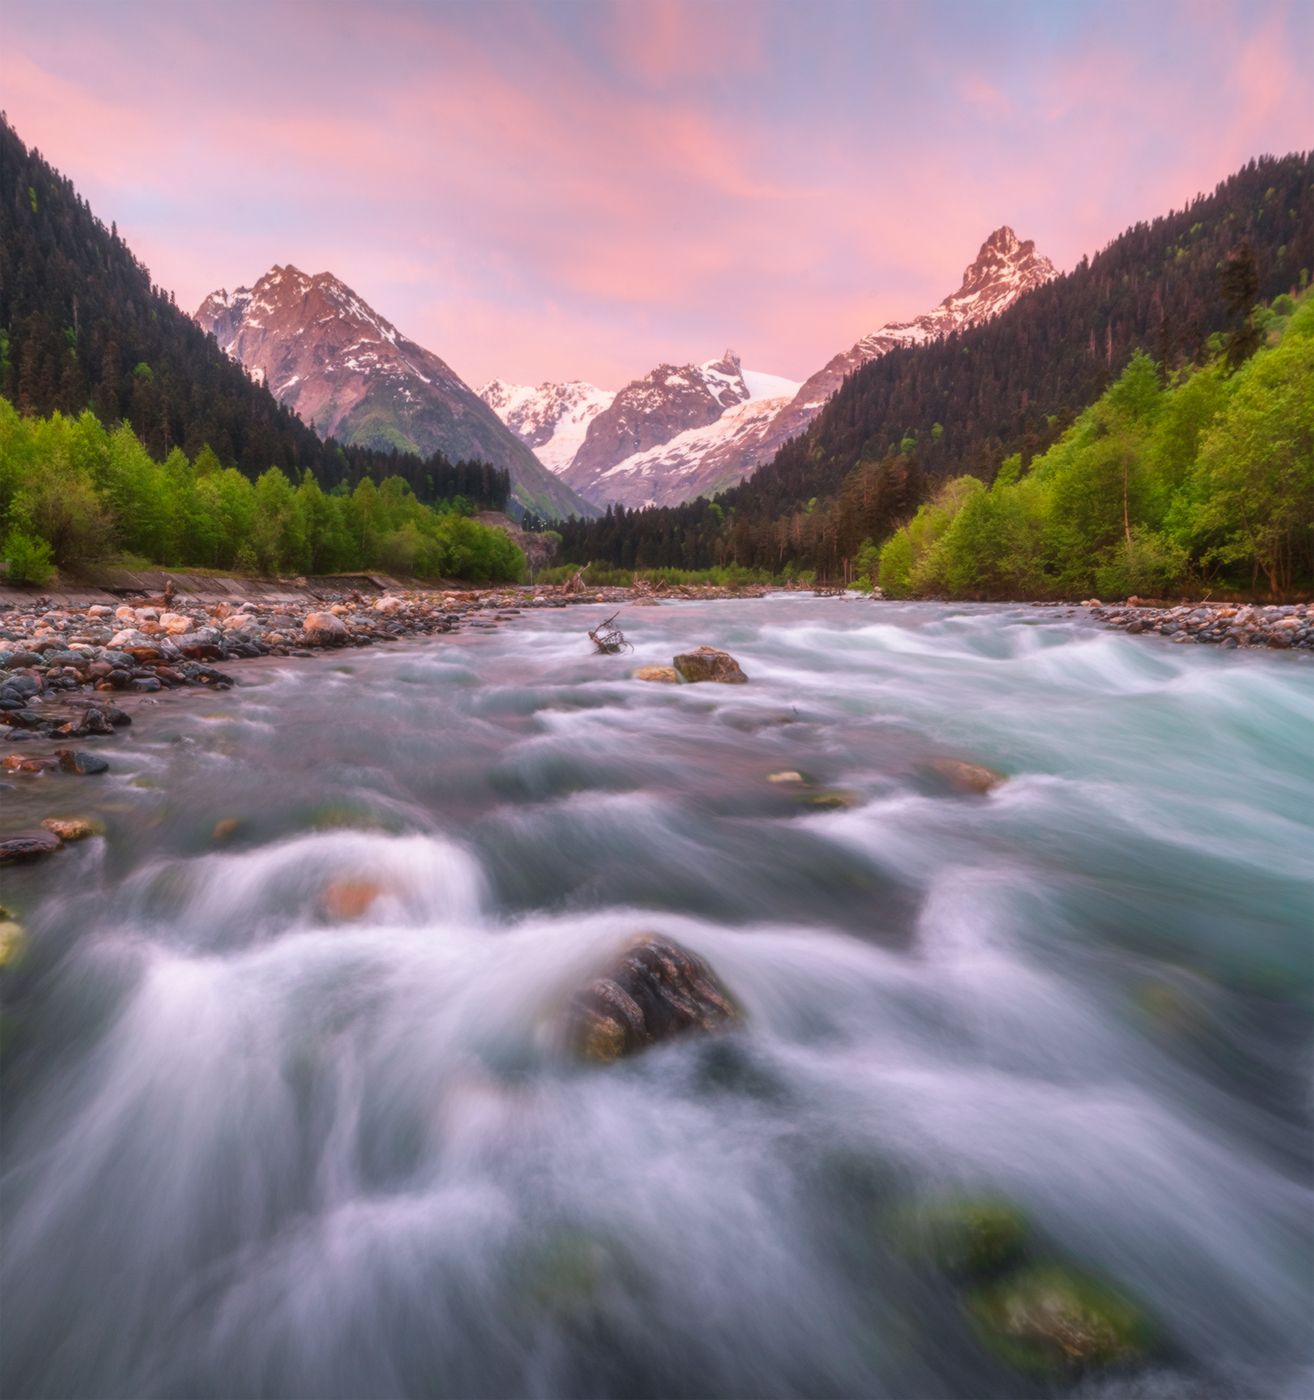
[[1002, 271], [351, 374], [696, 462], [552, 419]]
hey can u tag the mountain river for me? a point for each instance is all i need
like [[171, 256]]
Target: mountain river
[[285, 1116]]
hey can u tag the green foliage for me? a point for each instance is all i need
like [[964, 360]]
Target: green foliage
[[28, 558], [1152, 485], [72, 493]]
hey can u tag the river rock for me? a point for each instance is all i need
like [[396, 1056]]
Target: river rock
[[1055, 1321], [80, 762], [12, 938], [73, 828], [666, 675], [970, 1237], [324, 629], [27, 845], [710, 664], [968, 777], [653, 991]]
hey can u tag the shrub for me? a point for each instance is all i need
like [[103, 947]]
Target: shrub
[[28, 557]]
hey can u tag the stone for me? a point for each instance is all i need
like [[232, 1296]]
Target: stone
[[344, 901], [175, 624], [968, 777], [225, 828], [1049, 1319], [21, 763], [324, 628], [27, 845], [971, 1237], [665, 675], [73, 828], [709, 664], [77, 761], [12, 938], [833, 800], [787, 775], [653, 991]]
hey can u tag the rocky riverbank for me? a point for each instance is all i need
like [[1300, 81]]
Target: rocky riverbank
[[1227, 625], [67, 668]]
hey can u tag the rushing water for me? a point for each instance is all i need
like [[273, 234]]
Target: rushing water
[[260, 1142]]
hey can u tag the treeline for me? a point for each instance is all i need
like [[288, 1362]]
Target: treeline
[[74, 493], [917, 416], [1204, 478], [82, 326]]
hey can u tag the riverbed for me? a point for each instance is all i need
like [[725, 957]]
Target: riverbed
[[285, 1116]]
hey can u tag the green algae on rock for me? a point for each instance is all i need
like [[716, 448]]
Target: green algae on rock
[[1052, 1320]]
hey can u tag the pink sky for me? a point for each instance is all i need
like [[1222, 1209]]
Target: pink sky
[[581, 190]]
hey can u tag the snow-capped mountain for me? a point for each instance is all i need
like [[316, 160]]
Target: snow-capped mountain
[[1002, 271], [693, 430], [643, 443], [692, 463], [352, 375], [650, 411], [551, 419]]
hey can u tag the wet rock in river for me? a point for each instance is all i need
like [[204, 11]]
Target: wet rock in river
[[969, 1237], [27, 845], [12, 938], [666, 675], [710, 664], [653, 991], [77, 761], [968, 777], [73, 828], [1052, 1320], [21, 763]]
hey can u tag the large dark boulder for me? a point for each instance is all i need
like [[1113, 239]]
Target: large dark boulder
[[653, 991]]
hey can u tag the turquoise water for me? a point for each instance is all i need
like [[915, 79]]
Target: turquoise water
[[283, 1113]]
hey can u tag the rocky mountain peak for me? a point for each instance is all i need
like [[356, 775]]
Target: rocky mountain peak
[[350, 374]]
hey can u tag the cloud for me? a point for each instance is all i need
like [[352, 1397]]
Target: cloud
[[569, 191]]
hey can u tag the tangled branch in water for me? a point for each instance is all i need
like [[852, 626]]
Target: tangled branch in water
[[608, 638]]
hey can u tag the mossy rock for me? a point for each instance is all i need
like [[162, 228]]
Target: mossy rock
[[835, 800], [12, 939], [1053, 1321], [971, 1237]]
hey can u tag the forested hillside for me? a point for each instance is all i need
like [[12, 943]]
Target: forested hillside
[[82, 326], [1207, 479], [74, 493], [1010, 386]]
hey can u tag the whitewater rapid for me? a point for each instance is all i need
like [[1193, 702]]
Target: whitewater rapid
[[285, 1116]]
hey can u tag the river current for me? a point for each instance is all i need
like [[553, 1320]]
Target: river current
[[284, 1116]]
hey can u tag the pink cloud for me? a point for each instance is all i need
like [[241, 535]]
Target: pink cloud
[[539, 200]]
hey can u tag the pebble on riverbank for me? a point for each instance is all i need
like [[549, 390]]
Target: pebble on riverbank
[[1228, 625]]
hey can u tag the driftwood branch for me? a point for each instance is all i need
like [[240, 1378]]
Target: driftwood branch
[[608, 639]]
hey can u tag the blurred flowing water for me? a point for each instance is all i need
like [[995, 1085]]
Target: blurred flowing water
[[282, 1113]]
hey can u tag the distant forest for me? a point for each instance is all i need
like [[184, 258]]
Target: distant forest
[[82, 326], [903, 424]]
